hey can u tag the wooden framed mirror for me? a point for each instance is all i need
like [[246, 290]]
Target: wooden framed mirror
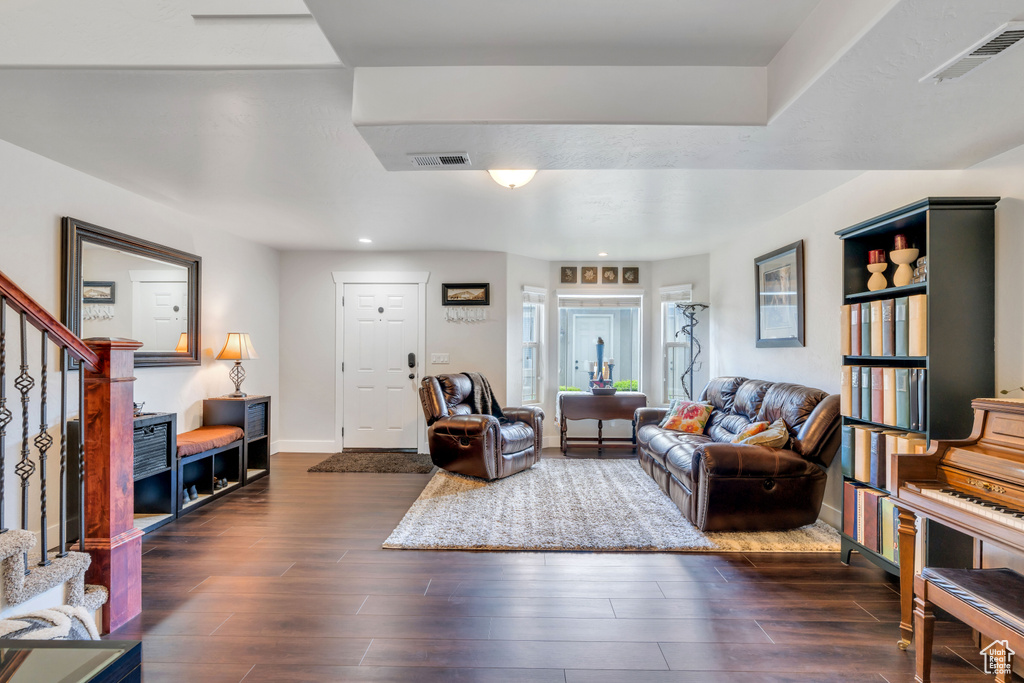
[[115, 285]]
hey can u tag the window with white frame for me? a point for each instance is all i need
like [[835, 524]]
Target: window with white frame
[[533, 337], [676, 351], [615, 319]]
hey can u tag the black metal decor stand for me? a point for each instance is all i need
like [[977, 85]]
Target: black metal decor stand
[[690, 312]]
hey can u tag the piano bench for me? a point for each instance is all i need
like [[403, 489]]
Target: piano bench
[[990, 601]]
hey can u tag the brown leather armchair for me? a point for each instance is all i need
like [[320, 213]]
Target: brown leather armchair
[[473, 444]]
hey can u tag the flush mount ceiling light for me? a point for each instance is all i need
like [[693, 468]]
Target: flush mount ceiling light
[[603, 253], [512, 179], [365, 240]]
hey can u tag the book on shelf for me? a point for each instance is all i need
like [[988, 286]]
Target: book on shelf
[[877, 396], [903, 398], [850, 489], [855, 391], [910, 444], [876, 328], [844, 326], [845, 393], [918, 399], [865, 393], [889, 533], [859, 503], [879, 460], [862, 452], [846, 451], [922, 399], [915, 415], [854, 329], [900, 326], [865, 329], [890, 436], [917, 323], [888, 331], [889, 399], [871, 505]]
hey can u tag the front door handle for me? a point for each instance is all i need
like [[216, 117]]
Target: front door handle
[[412, 360]]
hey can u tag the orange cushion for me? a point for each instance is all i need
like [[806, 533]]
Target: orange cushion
[[207, 438]]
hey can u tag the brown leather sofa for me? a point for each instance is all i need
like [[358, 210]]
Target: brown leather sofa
[[722, 486], [473, 444]]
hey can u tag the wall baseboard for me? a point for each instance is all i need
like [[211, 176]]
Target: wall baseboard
[[831, 516], [301, 446]]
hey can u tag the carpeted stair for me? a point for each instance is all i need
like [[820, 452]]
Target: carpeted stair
[[19, 587]]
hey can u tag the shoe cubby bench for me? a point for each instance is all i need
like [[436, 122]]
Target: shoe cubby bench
[[208, 456]]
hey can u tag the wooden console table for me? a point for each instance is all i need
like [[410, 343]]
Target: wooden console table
[[583, 406]]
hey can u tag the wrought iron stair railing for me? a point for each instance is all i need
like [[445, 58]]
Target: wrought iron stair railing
[[53, 336]]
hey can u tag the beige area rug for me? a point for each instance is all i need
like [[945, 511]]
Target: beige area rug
[[386, 462], [575, 505]]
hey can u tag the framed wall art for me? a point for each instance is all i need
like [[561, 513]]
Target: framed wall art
[[98, 292], [589, 275], [631, 275], [466, 294], [569, 275], [779, 302], [610, 275]]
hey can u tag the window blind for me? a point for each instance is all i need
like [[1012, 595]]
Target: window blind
[[534, 295]]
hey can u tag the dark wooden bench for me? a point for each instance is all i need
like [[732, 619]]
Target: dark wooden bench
[[990, 601], [205, 455]]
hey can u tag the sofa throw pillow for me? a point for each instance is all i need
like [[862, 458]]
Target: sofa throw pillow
[[689, 417], [754, 428], [673, 407], [776, 436]]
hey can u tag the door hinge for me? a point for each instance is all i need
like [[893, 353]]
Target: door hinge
[[343, 366], [343, 432], [342, 301]]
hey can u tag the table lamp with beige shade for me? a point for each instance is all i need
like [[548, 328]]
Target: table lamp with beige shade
[[238, 347]]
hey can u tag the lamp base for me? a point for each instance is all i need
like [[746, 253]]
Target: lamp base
[[237, 376], [236, 394]]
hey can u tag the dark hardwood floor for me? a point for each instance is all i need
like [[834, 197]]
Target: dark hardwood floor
[[285, 580]]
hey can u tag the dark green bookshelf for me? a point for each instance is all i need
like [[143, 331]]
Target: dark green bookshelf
[[957, 234]]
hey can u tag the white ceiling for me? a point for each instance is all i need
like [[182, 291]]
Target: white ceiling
[[560, 32], [260, 137]]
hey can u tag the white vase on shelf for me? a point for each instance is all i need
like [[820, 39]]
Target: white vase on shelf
[[877, 280], [905, 273]]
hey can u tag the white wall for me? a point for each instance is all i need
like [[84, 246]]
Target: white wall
[[308, 309], [240, 286], [870, 194]]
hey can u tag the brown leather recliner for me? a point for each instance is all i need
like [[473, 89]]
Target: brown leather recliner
[[473, 444], [722, 486]]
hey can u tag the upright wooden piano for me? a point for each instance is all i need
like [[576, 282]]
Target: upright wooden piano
[[974, 485]]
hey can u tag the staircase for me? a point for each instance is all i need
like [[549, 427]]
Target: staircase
[[36, 575]]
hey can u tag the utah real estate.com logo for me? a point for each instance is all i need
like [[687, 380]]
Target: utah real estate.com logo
[[998, 657]]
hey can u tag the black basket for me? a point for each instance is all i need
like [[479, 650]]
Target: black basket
[[152, 449], [256, 421]]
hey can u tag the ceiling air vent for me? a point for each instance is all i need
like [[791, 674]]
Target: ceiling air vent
[[440, 160], [995, 43]]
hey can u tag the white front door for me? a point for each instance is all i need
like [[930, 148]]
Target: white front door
[[381, 403]]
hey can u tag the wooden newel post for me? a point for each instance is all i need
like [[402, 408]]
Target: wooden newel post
[[110, 535]]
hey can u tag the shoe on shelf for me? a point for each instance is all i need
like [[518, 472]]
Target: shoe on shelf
[[216, 485], [192, 492], [224, 483], [184, 496]]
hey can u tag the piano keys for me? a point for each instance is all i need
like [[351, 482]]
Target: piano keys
[[974, 485]]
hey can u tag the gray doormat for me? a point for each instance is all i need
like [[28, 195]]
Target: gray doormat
[[385, 462]]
